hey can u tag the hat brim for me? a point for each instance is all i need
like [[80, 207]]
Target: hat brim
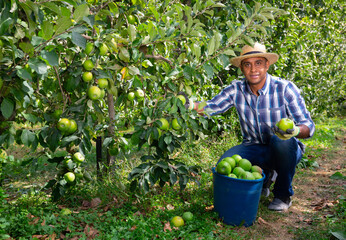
[[271, 57]]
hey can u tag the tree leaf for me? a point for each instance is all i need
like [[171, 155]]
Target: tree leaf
[[81, 12], [38, 65], [4, 25], [188, 72], [27, 137], [27, 47], [132, 32], [124, 54], [62, 24], [211, 46], [209, 70], [7, 107], [22, 73], [78, 39], [51, 57], [52, 6]]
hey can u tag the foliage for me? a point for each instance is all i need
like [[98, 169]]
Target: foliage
[[311, 44], [160, 47]]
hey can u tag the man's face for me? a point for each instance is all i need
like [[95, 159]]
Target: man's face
[[255, 70]]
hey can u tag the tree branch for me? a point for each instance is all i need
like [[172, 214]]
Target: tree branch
[[159, 57]]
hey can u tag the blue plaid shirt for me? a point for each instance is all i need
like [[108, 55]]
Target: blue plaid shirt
[[277, 99]]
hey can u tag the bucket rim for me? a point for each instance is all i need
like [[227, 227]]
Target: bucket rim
[[238, 179]]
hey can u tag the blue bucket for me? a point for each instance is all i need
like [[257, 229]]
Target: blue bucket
[[236, 200]]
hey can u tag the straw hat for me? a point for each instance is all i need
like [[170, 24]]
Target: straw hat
[[258, 50]]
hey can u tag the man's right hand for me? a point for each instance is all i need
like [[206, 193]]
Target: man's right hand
[[285, 135]]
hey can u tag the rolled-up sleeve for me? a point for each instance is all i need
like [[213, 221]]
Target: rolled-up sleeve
[[221, 102], [297, 109]]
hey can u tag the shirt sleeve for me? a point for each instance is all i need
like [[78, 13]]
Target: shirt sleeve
[[297, 109], [221, 102]]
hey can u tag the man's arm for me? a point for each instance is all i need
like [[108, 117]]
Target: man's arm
[[304, 132]]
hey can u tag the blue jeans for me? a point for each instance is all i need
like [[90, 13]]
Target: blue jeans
[[279, 155]]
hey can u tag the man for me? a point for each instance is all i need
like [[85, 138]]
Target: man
[[261, 100]]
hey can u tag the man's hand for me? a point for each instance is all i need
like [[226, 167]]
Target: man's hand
[[285, 135]]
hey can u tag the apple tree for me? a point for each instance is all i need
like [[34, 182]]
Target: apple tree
[[73, 70]]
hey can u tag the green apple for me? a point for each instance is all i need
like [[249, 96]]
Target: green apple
[[139, 93], [87, 76], [78, 157], [94, 93], [73, 127], [69, 177], [131, 96], [165, 124], [285, 123], [131, 19], [175, 124], [64, 124], [247, 175], [89, 48], [103, 49], [88, 65], [102, 82], [182, 99]]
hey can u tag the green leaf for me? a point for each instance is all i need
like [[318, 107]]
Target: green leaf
[[69, 139], [30, 117], [211, 46], [27, 137], [38, 65], [53, 139], [188, 72], [27, 88], [209, 70], [132, 32], [47, 30], [124, 54], [22, 73], [248, 40], [90, 20], [53, 7], [78, 39], [338, 175], [133, 70], [339, 235], [229, 52], [172, 178], [4, 26], [219, 5], [51, 57], [196, 49], [162, 164], [81, 12], [7, 107], [62, 24], [27, 47]]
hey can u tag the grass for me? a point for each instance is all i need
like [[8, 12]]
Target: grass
[[108, 210]]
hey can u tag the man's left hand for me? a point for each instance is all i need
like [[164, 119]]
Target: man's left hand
[[285, 135]]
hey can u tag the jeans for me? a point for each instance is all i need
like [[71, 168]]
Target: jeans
[[279, 155]]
